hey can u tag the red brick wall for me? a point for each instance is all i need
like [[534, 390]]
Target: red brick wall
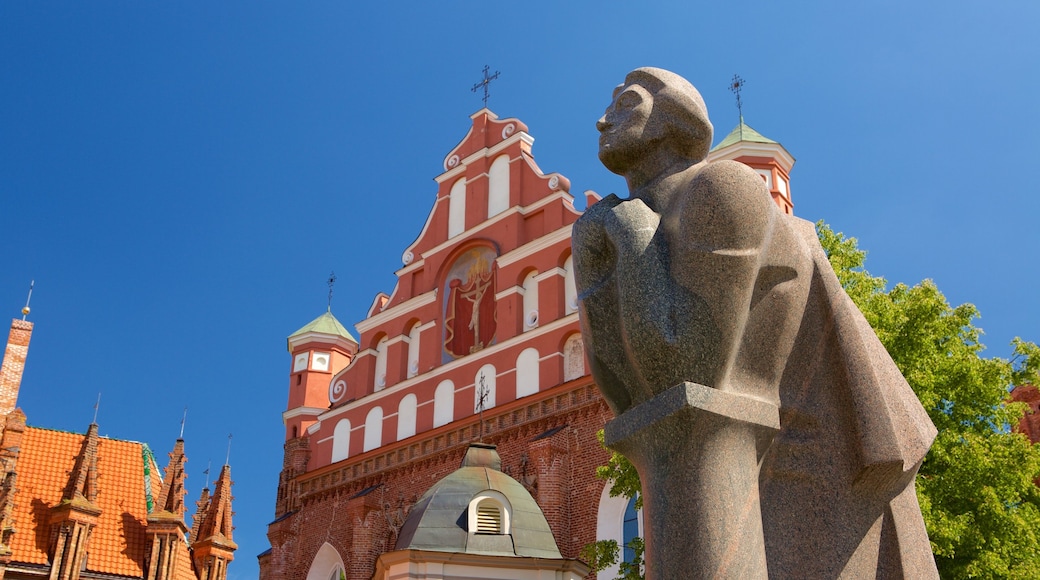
[[14, 364], [357, 505]]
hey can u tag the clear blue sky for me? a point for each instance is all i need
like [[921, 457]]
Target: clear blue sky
[[180, 177]]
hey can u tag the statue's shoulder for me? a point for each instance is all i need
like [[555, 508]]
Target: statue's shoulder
[[724, 205], [731, 179]]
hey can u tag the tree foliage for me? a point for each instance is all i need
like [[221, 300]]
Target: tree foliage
[[977, 485]]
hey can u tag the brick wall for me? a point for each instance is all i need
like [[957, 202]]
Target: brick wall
[[546, 441], [14, 364]]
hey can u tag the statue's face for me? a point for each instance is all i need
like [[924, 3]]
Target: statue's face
[[623, 128]]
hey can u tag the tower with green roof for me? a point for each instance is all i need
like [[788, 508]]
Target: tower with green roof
[[320, 349], [767, 157]]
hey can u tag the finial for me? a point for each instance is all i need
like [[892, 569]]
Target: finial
[[227, 459], [209, 463], [25, 309], [96, 405], [735, 85], [331, 283], [484, 83], [183, 418]]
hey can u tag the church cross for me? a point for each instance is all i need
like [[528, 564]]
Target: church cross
[[735, 86], [331, 283], [482, 395], [484, 83]]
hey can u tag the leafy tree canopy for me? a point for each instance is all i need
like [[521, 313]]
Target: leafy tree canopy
[[977, 485]]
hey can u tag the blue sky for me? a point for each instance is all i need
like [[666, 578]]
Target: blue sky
[[180, 178]]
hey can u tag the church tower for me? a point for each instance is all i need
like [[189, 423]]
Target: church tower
[[166, 526], [214, 548], [767, 157], [75, 517], [319, 350]]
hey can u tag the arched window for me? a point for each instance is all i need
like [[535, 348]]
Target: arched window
[[374, 429], [530, 288], [413, 350], [341, 440], [498, 186], [570, 290], [380, 382], [613, 522], [327, 564], [630, 530], [484, 382], [406, 417], [527, 373], [490, 513], [457, 208], [573, 358], [444, 403]]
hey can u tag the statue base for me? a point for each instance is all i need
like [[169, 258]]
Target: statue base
[[697, 451]]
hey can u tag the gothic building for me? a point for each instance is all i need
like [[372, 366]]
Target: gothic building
[[81, 506], [473, 366]]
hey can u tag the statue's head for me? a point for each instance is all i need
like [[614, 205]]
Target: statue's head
[[653, 110]]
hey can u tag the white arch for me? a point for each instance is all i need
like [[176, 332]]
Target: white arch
[[325, 563], [610, 521], [530, 290], [490, 378], [573, 358], [380, 379], [570, 290], [457, 208], [444, 403], [374, 429], [413, 350], [406, 416], [341, 440], [527, 373], [498, 186]]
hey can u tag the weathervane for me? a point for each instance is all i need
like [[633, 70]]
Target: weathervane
[[331, 283], [25, 309], [482, 396], [183, 419], [96, 405], [735, 85], [227, 459], [484, 83]]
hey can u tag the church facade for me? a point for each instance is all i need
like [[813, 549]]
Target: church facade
[[478, 343]]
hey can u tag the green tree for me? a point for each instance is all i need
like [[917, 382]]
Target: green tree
[[976, 486]]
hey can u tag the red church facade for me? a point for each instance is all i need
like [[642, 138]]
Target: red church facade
[[479, 340]]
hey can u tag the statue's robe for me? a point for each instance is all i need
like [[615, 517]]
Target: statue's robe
[[726, 291]]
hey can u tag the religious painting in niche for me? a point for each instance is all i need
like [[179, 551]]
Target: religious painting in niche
[[470, 317]]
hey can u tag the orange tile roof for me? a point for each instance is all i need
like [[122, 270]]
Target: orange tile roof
[[118, 545]]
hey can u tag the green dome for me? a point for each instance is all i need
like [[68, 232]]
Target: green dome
[[325, 324], [742, 132], [439, 520]]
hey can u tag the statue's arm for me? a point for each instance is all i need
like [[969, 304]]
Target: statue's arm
[[717, 231]]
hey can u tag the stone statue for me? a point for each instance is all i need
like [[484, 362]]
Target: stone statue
[[774, 436]]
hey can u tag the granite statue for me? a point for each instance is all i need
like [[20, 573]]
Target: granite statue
[[773, 435]]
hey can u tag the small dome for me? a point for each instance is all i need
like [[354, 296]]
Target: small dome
[[440, 521], [325, 324]]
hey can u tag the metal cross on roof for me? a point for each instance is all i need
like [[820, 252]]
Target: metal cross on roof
[[735, 85], [484, 83], [331, 282], [482, 396]]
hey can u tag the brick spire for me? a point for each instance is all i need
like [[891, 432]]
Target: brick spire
[[74, 518], [14, 364], [201, 507], [166, 527], [82, 485], [213, 549], [171, 498]]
